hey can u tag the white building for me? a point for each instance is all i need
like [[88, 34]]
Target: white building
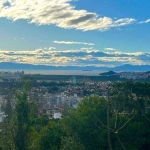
[[57, 115]]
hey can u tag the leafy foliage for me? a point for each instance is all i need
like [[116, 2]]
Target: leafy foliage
[[124, 115]]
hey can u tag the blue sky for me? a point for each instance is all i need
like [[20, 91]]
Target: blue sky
[[75, 32]]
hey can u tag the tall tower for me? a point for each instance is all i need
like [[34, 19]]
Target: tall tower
[[74, 80]]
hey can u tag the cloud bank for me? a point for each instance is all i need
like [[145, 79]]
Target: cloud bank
[[60, 13], [78, 57]]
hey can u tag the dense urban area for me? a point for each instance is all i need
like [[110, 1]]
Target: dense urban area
[[64, 112]]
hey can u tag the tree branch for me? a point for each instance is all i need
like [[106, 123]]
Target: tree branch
[[104, 125], [126, 123]]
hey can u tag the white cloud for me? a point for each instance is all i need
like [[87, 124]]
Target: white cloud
[[58, 12], [146, 21], [52, 48], [110, 49], [72, 42], [87, 48], [81, 57]]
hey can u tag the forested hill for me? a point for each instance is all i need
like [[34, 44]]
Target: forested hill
[[109, 73]]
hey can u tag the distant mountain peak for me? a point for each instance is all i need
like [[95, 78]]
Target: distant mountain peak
[[21, 66]]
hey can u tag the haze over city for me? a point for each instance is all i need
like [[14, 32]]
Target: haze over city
[[75, 32]]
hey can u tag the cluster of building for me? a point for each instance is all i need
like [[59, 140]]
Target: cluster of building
[[53, 103], [11, 76], [1, 114], [51, 100], [135, 75]]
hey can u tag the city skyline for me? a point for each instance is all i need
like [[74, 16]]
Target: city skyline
[[75, 32]]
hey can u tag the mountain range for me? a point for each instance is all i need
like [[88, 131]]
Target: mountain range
[[21, 66]]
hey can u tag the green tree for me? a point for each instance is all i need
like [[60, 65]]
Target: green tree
[[83, 123], [16, 129], [50, 136], [71, 143], [22, 125]]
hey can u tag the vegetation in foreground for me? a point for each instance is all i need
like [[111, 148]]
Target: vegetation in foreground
[[119, 122]]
